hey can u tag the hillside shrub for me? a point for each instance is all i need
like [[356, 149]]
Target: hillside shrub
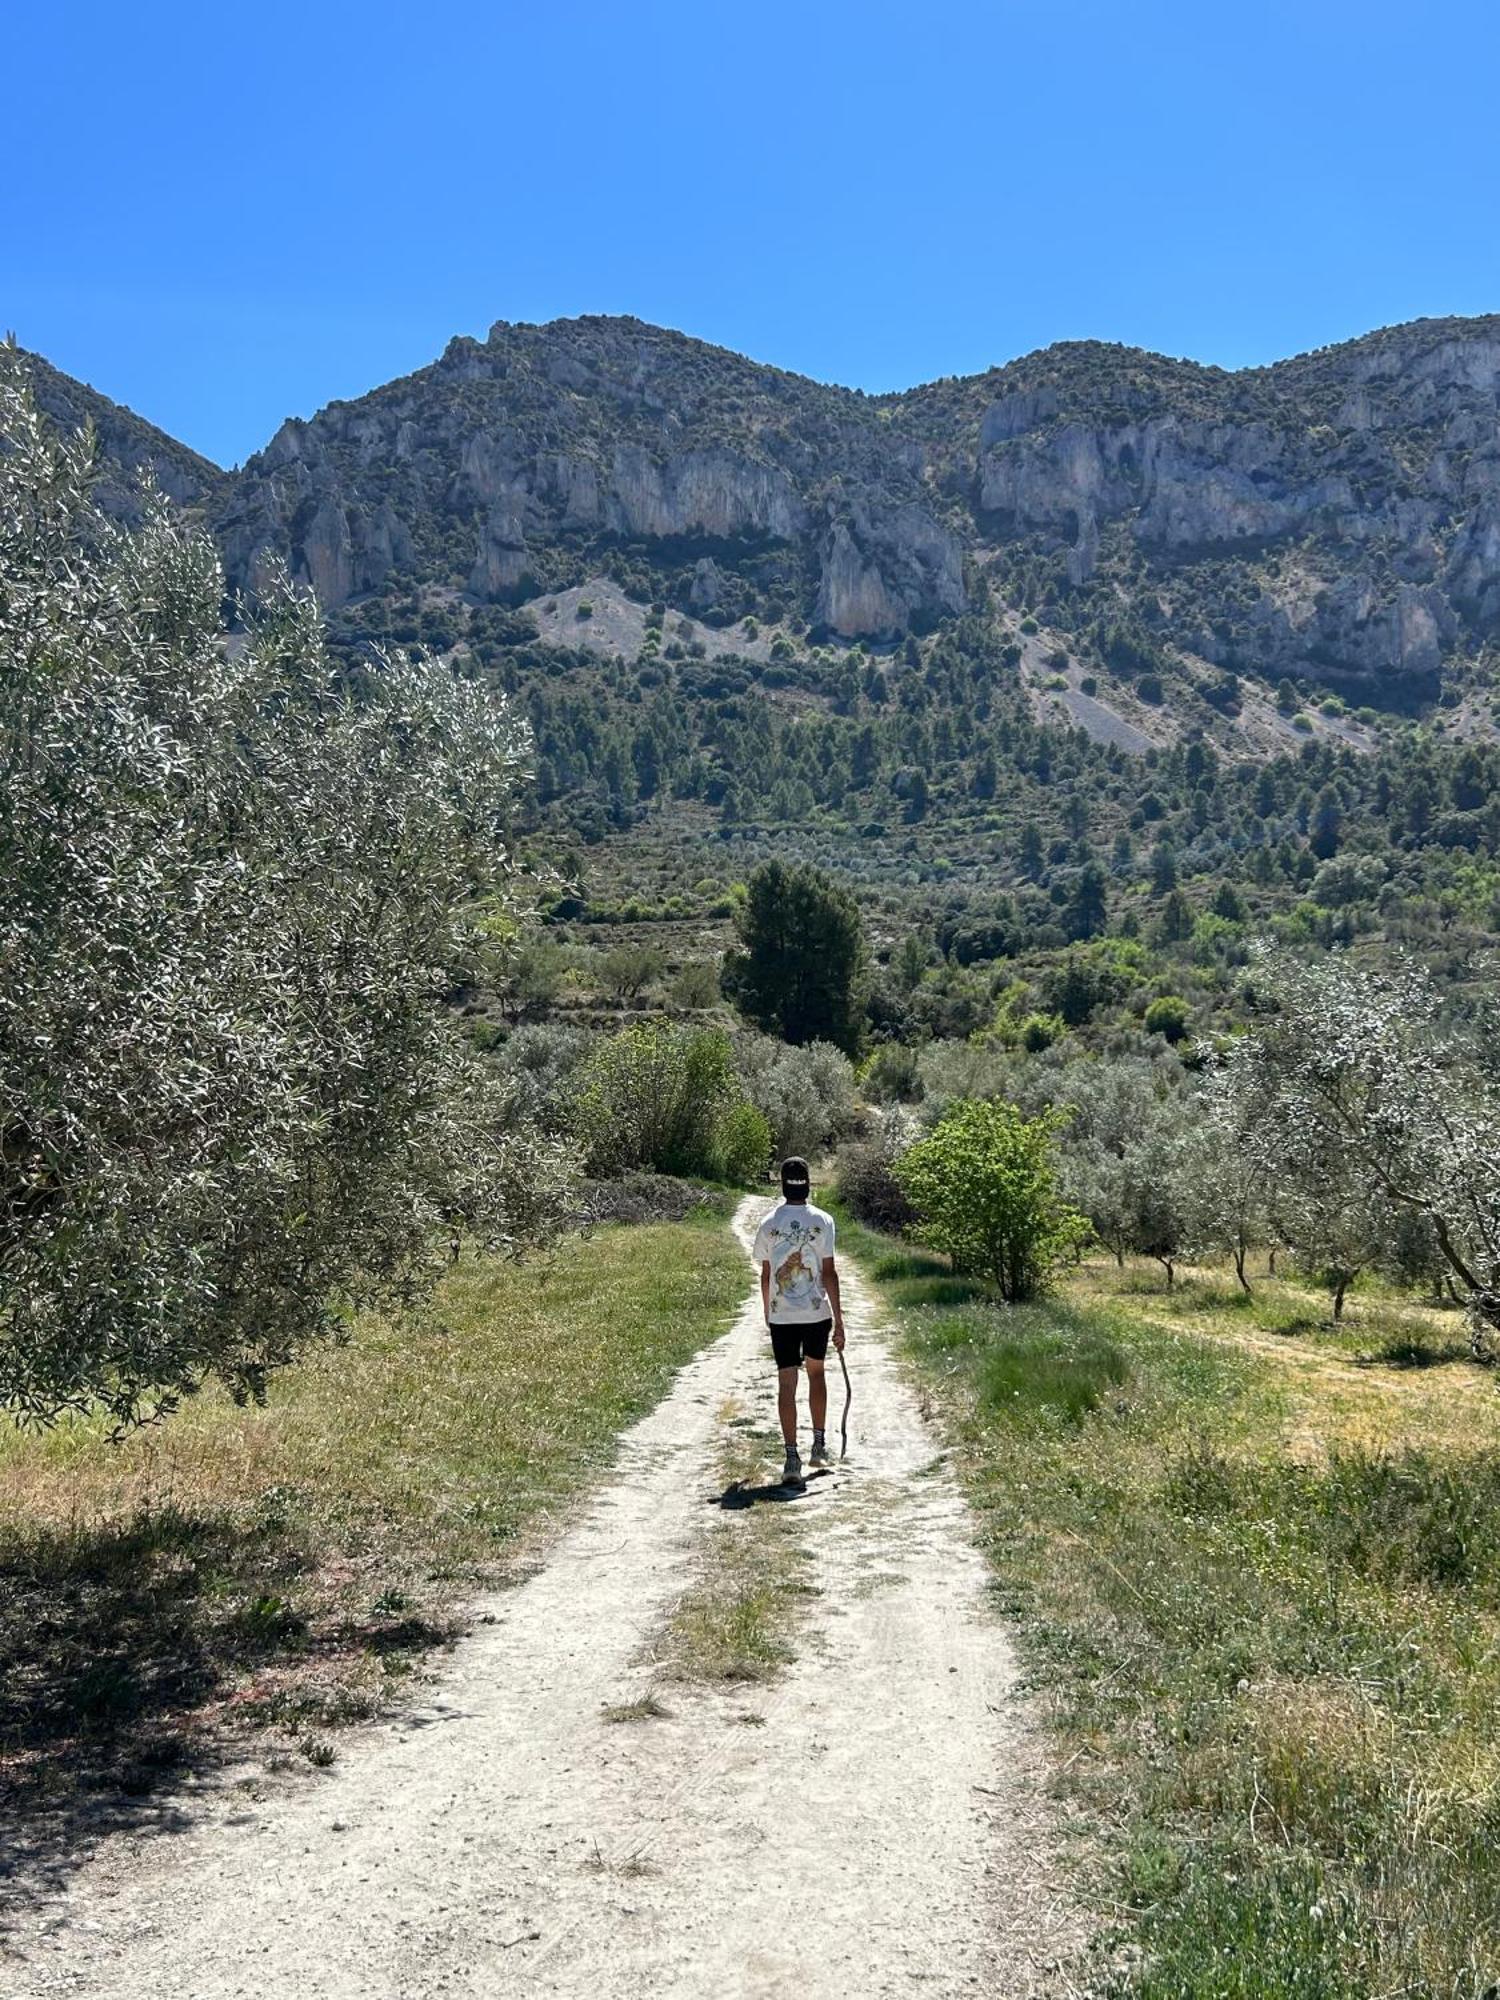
[[1167, 1016], [806, 1095], [742, 1144], [869, 1189], [984, 1186], [667, 1098]]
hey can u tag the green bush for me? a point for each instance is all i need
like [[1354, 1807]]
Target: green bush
[[742, 1144], [656, 1097], [1167, 1016], [984, 1186]]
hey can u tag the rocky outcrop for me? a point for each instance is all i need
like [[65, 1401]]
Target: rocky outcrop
[[1339, 512]]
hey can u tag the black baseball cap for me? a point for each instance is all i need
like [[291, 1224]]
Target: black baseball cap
[[795, 1178]]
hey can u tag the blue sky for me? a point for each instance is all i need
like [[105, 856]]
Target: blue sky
[[223, 216]]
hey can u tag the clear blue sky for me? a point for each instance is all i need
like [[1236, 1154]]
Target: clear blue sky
[[223, 215]]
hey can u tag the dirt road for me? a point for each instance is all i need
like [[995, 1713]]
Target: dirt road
[[870, 1823]]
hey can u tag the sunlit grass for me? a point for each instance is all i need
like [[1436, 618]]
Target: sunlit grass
[[1255, 1566]]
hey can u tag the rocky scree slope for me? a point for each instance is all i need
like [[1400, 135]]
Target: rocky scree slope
[[1335, 516]]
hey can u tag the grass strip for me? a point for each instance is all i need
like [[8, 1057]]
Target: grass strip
[[1271, 1653], [736, 1621]]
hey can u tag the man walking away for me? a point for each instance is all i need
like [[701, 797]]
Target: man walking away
[[799, 1293]]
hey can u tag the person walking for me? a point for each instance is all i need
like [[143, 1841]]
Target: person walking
[[799, 1294]]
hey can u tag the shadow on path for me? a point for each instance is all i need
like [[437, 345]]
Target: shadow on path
[[737, 1495], [124, 1648]]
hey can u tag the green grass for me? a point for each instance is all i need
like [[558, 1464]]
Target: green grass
[[1257, 1577], [289, 1564], [737, 1620]]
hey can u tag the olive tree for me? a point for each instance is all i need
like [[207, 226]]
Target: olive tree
[[806, 1095], [233, 895], [1364, 1098], [1125, 1141]]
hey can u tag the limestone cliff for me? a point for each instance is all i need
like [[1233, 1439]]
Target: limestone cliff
[[1334, 516]]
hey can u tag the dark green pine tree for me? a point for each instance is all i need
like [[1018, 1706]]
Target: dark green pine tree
[[800, 971], [1087, 909]]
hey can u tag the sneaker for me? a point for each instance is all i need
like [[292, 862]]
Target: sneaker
[[791, 1472], [821, 1455]]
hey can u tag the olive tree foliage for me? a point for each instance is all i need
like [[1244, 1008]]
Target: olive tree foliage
[[806, 1095], [232, 897], [1226, 1186], [1363, 1099], [1126, 1133]]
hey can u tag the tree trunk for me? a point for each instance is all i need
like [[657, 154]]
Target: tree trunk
[[1339, 1290], [1271, 1262], [1167, 1265], [1239, 1268]]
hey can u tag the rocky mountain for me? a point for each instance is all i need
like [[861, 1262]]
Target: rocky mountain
[[129, 448], [1334, 518]]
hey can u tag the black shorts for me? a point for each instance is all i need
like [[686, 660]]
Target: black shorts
[[793, 1342]]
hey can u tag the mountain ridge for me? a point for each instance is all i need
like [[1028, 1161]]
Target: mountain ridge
[[1333, 516]]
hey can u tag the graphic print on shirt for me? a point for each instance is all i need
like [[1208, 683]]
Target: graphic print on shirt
[[796, 1282], [794, 1240]]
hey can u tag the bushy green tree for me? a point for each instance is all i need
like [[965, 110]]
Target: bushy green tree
[[233, 896], [664, 1097], [800, 970], [984, 1187]]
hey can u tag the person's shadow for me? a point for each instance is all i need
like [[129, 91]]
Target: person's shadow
[[737, 1495]]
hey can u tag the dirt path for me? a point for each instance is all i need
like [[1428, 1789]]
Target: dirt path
[[880, 1831]]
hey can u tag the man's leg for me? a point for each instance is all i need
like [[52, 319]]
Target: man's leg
[[786, 1404], [817, 1394]]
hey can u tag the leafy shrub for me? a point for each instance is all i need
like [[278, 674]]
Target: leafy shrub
[[696, 985], [742, 1144], [1040, 1031], [1167, 1016], [538, 1067], [628, 969], [893, 1074], [985, 1191], [869, 1189], [655, 1097]]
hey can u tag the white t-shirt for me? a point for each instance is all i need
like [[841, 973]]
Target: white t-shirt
[[794, 1239]]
